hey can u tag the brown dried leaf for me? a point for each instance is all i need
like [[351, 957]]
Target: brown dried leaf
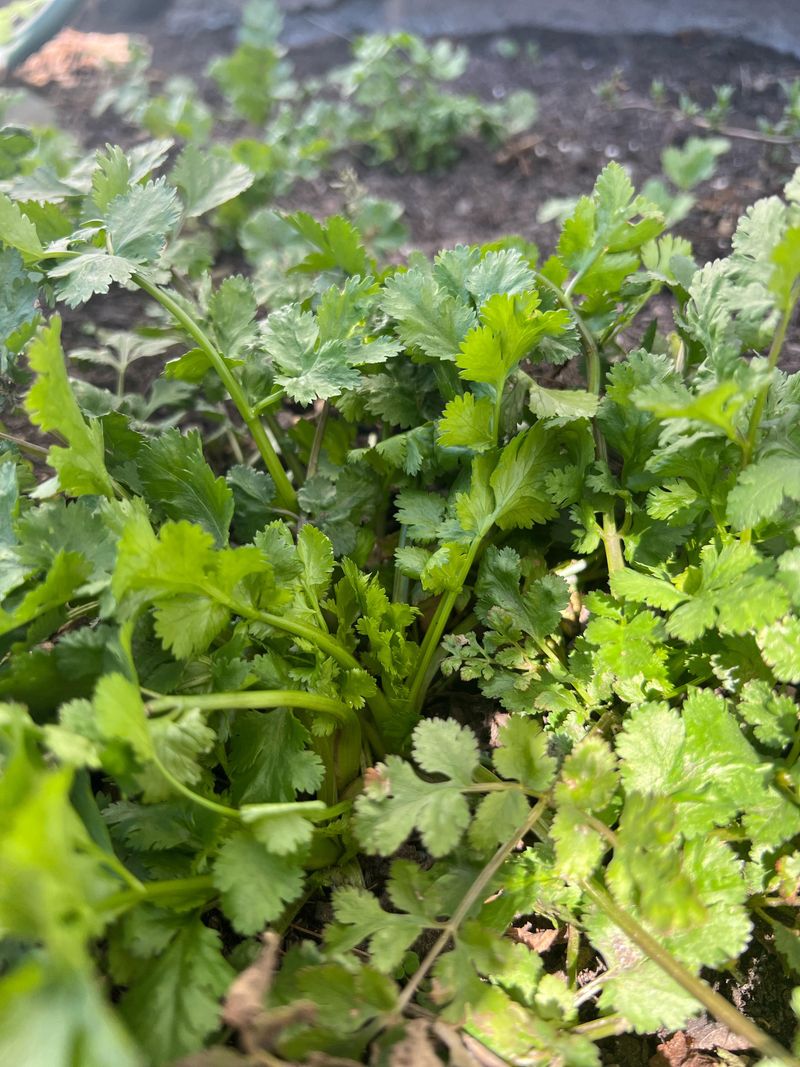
[[246, 999], [416, 1048], [678, 1051], [215, 1057], [709, 1034], [538, 940], [456, 1046]]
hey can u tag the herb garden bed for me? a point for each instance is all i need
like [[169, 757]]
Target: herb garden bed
[[400, 648]]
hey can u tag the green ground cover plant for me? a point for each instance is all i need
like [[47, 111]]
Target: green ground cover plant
[[355, 646], [233, 692]]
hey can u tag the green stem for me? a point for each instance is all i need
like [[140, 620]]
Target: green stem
[[378, 703], [312, 634], [257, 699], [282, 439], [597, 1029], [434, 633], [473, 894], [25, 446], [201, 885], [269, 402], [772, 360], [283, 487], [612, 541], [590, 349], [316, 444], [196, 798], [347, 752], [720, 1008]]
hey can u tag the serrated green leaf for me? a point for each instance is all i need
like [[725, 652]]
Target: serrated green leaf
[[780, 646], [733, 591], [426, 316], [253, 494], [762, 488], [773, 716], [535, 610], [270, 760], [174, 1003], [255, 884], [121, 714], [421, 513], [85, 275], [208, 178], [786, 268], [467, 423], [179, 484], [64, 578], [562, 403], [505, 271], [588, 776], [47, 1012], [360, 918], [18, 311], [441, 746], [518, 480], [629, 584], [280, 829], [338, 243], [232, 309], [396, 802], [579, 847], [497, 817], [511, 327], [17, 230], [111, 177], [522, 754], [139, 221], [51, 405], [307, 370]]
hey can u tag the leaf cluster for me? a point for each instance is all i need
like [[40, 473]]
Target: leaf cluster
[[226, 685]]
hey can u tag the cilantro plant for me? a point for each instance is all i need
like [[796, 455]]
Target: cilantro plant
[[447, 646], [401, 113], [389, 104]]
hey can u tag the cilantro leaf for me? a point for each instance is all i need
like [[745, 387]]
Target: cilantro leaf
[[762, 488], [511, 327], [780, 647], [307, 369], [18, 300], [425, 315], [360, 917], [536, 610], [17, 230], [179, 483], [44, 998], [208, 178], [88, 274], [518, 480], [255, 884], [467, 422], [396, 802], [52, 406], [139, 221], [174, 1002], [337, 241]]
